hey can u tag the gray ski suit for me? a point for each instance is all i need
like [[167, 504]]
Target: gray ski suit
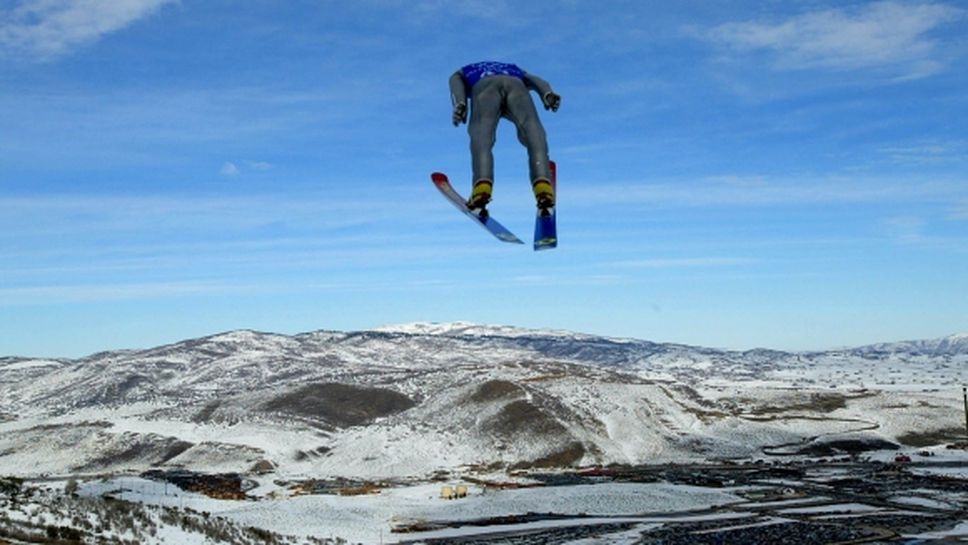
[[502, 90]]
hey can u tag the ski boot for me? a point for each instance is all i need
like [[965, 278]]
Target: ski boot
[[480, 197], [544, 195]]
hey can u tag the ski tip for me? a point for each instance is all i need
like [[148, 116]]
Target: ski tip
[[545, 245], [504, 236]]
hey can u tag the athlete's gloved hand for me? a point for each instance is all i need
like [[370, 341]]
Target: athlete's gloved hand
[[551, 101], [460, 113]]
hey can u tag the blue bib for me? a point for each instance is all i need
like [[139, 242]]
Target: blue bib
[[477, 71]]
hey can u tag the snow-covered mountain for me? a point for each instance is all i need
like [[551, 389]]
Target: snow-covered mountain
[[411, 400], [947, 346]]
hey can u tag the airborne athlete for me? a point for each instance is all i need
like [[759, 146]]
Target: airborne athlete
[[496, 90]]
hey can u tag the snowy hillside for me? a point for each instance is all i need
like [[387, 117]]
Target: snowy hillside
[[411, 400], [948, 346]]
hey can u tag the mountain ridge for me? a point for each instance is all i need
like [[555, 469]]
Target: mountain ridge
[[955, 343], [414, 399]]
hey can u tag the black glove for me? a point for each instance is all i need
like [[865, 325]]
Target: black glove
[[551, 101], [460, 113]]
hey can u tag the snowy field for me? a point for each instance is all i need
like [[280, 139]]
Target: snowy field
[[369, 519], [616, 512]]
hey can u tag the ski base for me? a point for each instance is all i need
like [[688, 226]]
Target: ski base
[[484, 220], [545, 224], [545, 232]]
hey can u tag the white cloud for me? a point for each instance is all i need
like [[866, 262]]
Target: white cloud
[[259, 165], [960, 211], [676, 263], [115, 292], [233, 169], [725, 191], [489, 10], [229, 169], [881, 35], [906, 229], [50, 28], [927, 153]]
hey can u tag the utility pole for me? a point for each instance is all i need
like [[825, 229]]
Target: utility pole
[[964, 392]]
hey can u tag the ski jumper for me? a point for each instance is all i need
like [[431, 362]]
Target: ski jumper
[[499, 90]]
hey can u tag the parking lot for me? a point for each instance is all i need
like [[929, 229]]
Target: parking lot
[[808, 503]]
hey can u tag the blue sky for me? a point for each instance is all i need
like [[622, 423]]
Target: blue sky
[[778, 174]]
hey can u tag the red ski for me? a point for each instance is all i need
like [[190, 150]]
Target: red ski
[[484, 220]]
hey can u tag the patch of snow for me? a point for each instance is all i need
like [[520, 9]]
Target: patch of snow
[[959, 532], [29, 364], [832, 508]]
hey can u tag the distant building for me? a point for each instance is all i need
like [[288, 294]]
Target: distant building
[[453, 492]]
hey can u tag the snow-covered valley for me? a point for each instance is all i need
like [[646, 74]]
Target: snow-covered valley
[[420, 404]]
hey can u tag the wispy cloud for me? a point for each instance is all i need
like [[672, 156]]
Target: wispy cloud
[[683, 262], [580, 279], [755, 190], [115, 292], [229, 169], [50, 238], [44, 215], [50, 28], [959, 211], [906, 229], [501, 11], [885, 35], [927, 153]]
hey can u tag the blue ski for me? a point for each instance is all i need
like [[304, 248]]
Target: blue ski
[[484, 220], [545, 227]]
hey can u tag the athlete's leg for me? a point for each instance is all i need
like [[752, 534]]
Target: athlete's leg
[[487, 103], [521, 111]]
